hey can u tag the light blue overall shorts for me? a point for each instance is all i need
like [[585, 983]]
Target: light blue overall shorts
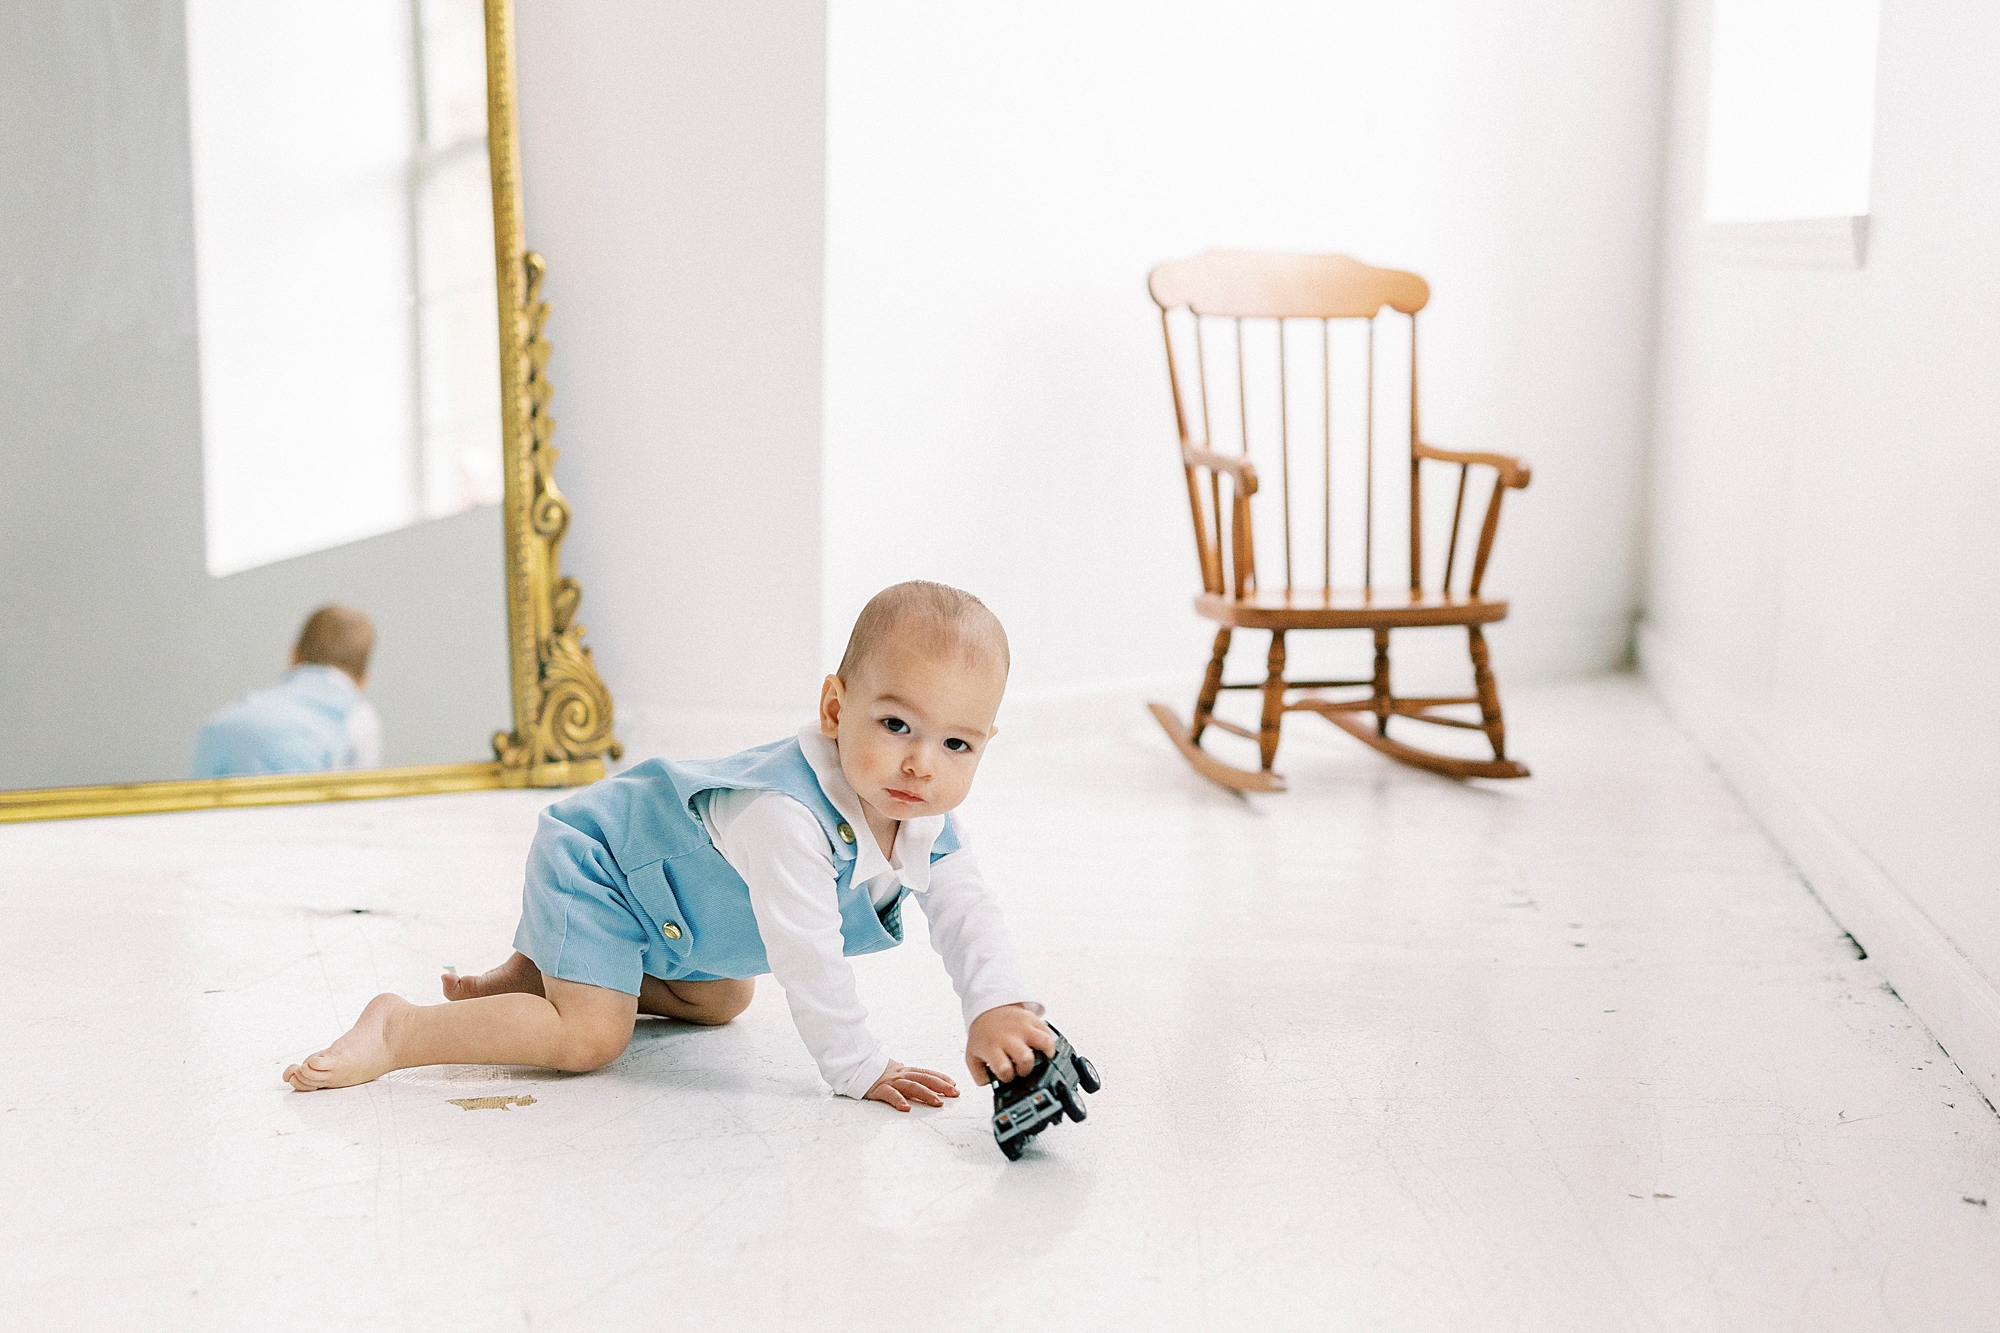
[[623, 880]]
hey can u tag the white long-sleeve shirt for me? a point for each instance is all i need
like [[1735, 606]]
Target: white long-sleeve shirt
[[780, 849]]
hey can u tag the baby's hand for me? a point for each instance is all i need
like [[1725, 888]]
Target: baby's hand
[[1003, 1042], [899, 1083]]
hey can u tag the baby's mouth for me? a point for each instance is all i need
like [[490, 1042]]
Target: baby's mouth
[[907, 797]]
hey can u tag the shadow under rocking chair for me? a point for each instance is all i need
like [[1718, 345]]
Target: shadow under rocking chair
[[1307, 314]]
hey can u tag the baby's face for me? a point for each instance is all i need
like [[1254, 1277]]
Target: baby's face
[[912, 728]]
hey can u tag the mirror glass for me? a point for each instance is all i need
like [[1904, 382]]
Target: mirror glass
[[342, 454]]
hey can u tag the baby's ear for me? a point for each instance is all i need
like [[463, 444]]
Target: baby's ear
[[832, 695]]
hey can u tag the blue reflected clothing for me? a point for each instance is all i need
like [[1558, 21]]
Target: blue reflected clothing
[[312, 720]]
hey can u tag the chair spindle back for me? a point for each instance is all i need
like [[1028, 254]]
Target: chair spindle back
[[1262, 373]]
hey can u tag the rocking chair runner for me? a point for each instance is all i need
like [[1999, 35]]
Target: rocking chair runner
[[1283, 292]]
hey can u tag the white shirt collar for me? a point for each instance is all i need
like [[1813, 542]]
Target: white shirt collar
[[332, 675], [914, 838]]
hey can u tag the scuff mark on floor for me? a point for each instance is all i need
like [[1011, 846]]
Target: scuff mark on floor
[[490, 1103]]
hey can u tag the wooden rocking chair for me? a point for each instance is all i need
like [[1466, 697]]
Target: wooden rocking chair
[[1204, 303]]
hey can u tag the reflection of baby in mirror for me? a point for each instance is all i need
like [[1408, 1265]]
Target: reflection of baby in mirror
[[313, 719], [667, 889]]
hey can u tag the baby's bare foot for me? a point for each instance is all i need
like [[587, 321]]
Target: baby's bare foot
[[518, 975], [361, 1055]]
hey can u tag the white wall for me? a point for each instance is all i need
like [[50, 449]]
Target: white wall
[[1824, 544], [980, 199], [1001, 179], [118, 641], [673, 156]]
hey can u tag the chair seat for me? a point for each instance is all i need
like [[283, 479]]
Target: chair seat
[[1348, 608]]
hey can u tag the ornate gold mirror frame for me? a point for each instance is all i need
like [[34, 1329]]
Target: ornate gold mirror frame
[[562, 711]]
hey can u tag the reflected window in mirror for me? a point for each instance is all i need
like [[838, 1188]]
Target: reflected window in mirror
[[357, 393]]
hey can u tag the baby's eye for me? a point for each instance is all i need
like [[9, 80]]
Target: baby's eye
[[896, 726], [958, 745]]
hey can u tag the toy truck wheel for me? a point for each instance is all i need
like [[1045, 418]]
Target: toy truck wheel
[[1071, 1102], [1086, 1075], [1014, 1148]]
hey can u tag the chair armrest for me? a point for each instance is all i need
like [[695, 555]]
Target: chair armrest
[[1244, 472], [1513, 472]]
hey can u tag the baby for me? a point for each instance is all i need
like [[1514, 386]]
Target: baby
[[316, 718], [667, 889]]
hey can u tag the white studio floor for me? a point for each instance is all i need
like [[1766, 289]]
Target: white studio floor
[[1383, 1052]]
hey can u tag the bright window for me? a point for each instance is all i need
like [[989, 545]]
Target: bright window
[[343, 271], [1791, 109]]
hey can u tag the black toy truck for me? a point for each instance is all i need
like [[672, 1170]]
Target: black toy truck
[[1026, 1105]]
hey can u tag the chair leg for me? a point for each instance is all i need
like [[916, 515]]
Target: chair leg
[[1383, 701], [1489, 693], [1274, 700], [1211, 686], [1188, 742], [1350, 719]]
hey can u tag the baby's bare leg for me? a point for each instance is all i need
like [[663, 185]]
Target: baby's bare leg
[[518, 975], [576, 1027], [710, 1003]]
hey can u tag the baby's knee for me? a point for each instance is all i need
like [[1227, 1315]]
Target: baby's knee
[[716, 1002], [592, 1045]]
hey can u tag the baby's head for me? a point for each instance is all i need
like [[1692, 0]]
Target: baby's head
[[912, 705], [337, 636]]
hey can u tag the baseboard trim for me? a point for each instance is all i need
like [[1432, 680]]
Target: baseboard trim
[[1942, 987]]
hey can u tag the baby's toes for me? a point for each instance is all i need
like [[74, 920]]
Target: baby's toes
[[312, 1074]]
